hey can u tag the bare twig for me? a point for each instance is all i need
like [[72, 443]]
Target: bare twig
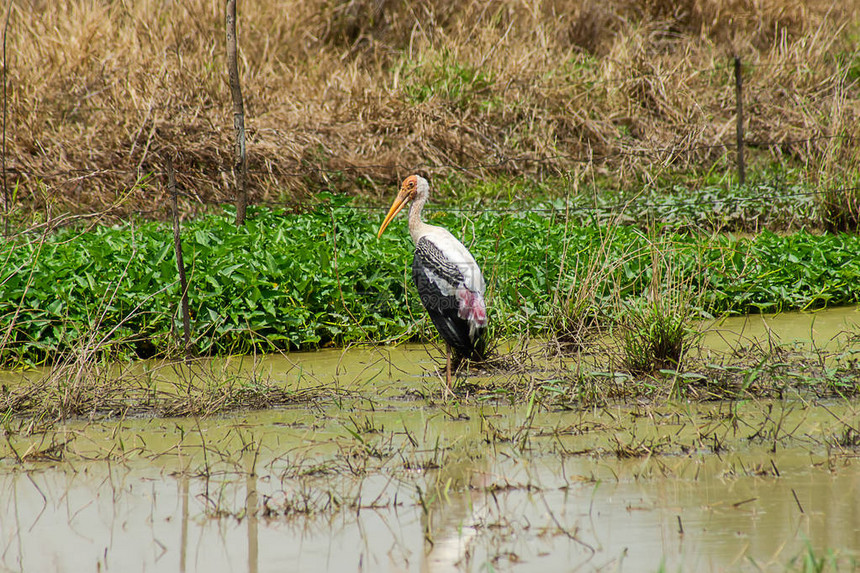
[[240, 166]]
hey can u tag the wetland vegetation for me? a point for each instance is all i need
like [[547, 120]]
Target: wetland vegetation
[[676, 353], [288, 281], [370, 455]]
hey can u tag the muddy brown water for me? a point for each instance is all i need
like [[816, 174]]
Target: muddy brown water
[[380, 480]]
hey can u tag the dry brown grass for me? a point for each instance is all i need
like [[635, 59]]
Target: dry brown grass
[[98, 91]]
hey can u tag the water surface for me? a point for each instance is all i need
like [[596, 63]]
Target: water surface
[[381, 478]]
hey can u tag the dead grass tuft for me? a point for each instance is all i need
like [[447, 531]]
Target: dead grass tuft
[[350, 95], [95, 390]]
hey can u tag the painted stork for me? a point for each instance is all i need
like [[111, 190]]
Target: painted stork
[[448, 279]]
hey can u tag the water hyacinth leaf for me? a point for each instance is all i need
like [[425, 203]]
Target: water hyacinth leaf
[[283, 285]]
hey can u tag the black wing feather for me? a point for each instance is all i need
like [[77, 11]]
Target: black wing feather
[[443, 308]]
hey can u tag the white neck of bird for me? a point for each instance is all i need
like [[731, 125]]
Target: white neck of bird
[[417, 227]]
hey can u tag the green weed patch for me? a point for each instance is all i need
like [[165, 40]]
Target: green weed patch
[[297, 281]]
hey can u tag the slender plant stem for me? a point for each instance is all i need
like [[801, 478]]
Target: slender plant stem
[[6, 205], [180, 263]]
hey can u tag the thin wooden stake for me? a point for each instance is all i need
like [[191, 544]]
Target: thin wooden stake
[[180, 264], [7, 206], [739, 97], [240, 166]]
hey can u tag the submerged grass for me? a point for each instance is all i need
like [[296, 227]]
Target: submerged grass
[[505, 483], [600, 375], [596, 374], [92, 390]]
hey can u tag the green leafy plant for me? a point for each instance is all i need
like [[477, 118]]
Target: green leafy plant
[[321, 277]]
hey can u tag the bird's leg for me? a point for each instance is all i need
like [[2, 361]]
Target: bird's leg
[[448, 366]]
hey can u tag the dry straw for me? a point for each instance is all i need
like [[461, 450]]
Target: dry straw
[[335, 91]]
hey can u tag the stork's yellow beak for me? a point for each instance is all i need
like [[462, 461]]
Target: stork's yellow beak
[[400, 202]]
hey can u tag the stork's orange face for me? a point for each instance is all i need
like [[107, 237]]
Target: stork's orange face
[[408, 190]]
